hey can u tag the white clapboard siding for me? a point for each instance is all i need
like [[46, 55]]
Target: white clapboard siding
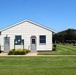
[[27, 29]]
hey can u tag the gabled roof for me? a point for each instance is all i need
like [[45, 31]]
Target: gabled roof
[[29, 22]]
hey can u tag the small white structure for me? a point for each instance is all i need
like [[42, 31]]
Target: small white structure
[[34, 37]]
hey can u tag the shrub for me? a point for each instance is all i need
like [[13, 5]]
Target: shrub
[[18, 52], [54, 47], [23, 52], [27, 51], [11, 52]]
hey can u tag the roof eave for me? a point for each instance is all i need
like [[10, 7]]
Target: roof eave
[[26, 20]]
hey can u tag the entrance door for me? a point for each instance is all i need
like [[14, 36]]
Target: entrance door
[[6, 44], [33, 43]]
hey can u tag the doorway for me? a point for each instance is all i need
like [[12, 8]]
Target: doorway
[[33, 44]]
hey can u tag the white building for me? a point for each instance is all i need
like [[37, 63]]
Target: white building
[[34, 36]]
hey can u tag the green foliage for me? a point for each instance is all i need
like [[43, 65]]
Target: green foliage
[[63, 36], [27, 51], [11, 52], [54, 47], [18, 52]]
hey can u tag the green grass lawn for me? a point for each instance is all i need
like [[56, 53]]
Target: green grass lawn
[[38, 65], [61, 50]]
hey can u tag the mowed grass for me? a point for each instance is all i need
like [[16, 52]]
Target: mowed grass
[[45, 65], [61, 50]]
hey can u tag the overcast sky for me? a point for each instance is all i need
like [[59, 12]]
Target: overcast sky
[[55, 14]]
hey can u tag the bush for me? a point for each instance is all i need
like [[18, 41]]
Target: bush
[[27, 51], [54, 47], [11, 52], [18, 52]]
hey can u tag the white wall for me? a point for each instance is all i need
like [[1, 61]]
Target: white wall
[[27, 29]]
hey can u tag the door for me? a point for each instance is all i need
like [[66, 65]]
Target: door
[[6, 44], [33, 44]]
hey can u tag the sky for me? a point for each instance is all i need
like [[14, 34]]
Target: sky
[[58, 15]]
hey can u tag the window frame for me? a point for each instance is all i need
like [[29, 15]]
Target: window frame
[[18, 43], [33, 41], [41, 39]]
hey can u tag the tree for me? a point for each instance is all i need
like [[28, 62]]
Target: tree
[[66, 35]]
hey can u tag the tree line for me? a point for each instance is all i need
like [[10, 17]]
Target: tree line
[[66, 36]]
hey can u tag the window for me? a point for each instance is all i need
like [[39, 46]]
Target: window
[[18, 40], [42, 39], [33, 41]]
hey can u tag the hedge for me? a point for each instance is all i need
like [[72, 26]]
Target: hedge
[[18, 52]]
